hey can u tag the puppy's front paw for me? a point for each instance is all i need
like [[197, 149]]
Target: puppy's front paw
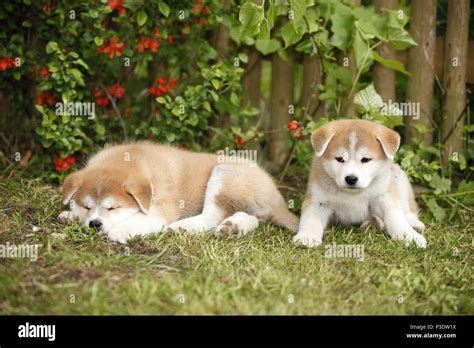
[[419, 240], [195, 224], [310, 240], [119, 234], [65, 216]]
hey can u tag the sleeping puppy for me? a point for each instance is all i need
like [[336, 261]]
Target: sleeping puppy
[[354, 181], [141, 188]]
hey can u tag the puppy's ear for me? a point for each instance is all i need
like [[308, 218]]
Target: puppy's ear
[[141, 190], [71, 185], [389, 140], [321, 138]]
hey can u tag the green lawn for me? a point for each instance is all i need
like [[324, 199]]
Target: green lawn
[[80, 272]]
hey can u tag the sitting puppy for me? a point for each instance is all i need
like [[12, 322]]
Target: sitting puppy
[[354, 181], [141, 188]]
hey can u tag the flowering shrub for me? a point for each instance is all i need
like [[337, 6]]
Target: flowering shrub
[[146, 66]]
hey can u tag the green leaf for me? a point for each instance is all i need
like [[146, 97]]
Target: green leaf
[[251, 16], [298, 8], [98, 41], [207, 106], [362, 53], [291, 34], [267, 46], [141, 18], [391, 63], [170, 137], [283, 55], [176, 111], [368, 100], [161, 100], [272, 13], [216, 83], [467, 187], [438, 213], [312, 20], [342, 23], [164, 8], [243, 57], [77, 76], [400, 40], [51, 47]]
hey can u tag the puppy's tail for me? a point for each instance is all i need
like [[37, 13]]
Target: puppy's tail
[[283, 217]]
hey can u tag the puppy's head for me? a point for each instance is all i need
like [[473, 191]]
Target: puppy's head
[[102, 198], [354, 152]]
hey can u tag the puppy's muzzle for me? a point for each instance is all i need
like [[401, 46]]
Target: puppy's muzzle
[[351, 180], [95, 224]]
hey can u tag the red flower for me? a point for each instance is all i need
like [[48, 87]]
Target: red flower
[[238, 141], [156, 33], [298, 133], [6, 63], [197, 8], [100, 100], [114, 48], [48, 8], [162, 87], [117, 5], [63, 164], [44, 72], [45, 97], [153, 45], [293, 125], [155, 91], [146, 42], [161, 81], [172, 83], [205, 22], [142, 44], [170, 39], [205, 9], [116, 90]]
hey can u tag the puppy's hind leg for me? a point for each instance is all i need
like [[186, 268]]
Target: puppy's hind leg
[[237, 225], [211, 214]]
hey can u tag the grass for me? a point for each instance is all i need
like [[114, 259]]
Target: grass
[[80, 272]]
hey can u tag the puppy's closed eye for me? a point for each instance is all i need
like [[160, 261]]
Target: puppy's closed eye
[[112, 208], [366, 160]]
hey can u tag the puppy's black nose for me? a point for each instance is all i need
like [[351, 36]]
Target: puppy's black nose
[[95, 224], [351, 180]]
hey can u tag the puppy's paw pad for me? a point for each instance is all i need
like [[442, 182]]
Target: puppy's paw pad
[[306, 240], [228, 228]]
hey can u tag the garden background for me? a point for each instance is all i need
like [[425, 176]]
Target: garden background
[[252, 75]]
